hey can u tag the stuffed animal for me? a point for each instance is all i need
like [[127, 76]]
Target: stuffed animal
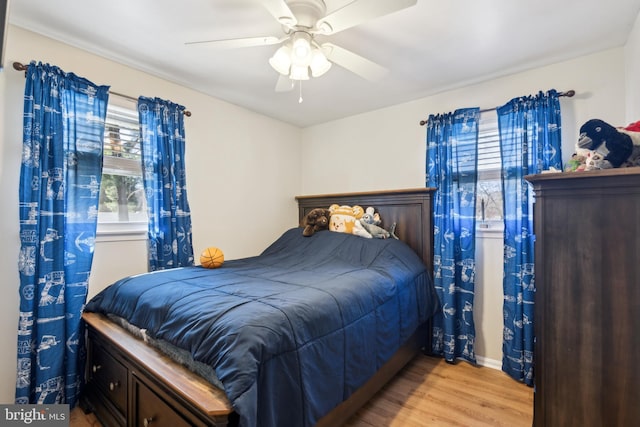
[[577, 162], [583, 159], [633, 127], [317, 219], [343, 218], [634, 158], [596, 160], [371, 221], [614, 147], [371, 216], [601, 146], [378, 232]]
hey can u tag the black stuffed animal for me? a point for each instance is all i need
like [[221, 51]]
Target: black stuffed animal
[[614, 146], [317, 219]]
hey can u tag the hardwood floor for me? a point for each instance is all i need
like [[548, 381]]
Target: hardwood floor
[[431, 392], [77, 418]]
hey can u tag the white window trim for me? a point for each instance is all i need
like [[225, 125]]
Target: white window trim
[[490, 229], [106, 233]]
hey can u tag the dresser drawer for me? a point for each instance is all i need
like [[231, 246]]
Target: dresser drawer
[[109, 377], [151, 410]]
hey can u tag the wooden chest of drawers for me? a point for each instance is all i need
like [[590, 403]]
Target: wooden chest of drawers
[[587, 303], [131, 384]]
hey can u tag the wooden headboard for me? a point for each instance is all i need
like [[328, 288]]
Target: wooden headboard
[[410, 209]]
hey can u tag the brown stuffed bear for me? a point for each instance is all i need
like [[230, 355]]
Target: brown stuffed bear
[[317, 219]]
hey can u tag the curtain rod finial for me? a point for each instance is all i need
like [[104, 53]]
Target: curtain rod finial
[[19, 66]]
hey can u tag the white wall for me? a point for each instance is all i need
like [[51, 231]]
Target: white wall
[[234, 157], [385, 149], [632, 58], [487, 307]]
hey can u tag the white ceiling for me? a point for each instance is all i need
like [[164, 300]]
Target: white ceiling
[[430, 47]]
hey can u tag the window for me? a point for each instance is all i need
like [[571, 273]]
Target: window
[[489, 189], [122, 208]]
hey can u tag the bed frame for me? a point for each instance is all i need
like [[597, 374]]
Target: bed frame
[[130, 383]]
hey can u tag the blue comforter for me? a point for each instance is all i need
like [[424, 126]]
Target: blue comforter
[[293, 332]]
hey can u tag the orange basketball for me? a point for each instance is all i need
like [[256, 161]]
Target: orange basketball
[[211, 257]]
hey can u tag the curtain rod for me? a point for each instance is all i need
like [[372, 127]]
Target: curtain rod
[[568, 93], [21, 67]]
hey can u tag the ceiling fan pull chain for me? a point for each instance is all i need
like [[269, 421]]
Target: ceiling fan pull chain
[[300, 87]]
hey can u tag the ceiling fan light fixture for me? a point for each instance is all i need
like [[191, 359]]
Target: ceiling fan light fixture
[[301, 48], [281, 60], [319, 63], [299, 72]]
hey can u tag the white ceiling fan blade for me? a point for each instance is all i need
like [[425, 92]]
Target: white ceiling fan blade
[[359, 11], [280, 10], [243, 42], [284, 83], [363, 67]]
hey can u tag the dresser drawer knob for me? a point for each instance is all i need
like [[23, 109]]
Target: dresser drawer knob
[[114, 385], [147, 421], [96, 368]]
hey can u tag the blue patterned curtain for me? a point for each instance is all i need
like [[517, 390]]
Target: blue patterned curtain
[[530, 141], [452, 148], [163, 146], [59, 189]]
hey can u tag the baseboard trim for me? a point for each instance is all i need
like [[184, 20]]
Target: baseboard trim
[[489, 363]]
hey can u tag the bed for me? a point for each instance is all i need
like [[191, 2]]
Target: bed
[[301, 335]]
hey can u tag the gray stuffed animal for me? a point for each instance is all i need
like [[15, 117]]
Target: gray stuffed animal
[[378, 232], [371, 221]]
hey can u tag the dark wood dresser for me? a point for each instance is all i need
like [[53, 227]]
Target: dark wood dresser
[[587, 313]]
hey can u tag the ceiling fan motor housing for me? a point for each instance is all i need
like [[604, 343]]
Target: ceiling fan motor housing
[[307, 12]]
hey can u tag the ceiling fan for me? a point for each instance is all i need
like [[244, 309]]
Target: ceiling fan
[[300, 54]]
